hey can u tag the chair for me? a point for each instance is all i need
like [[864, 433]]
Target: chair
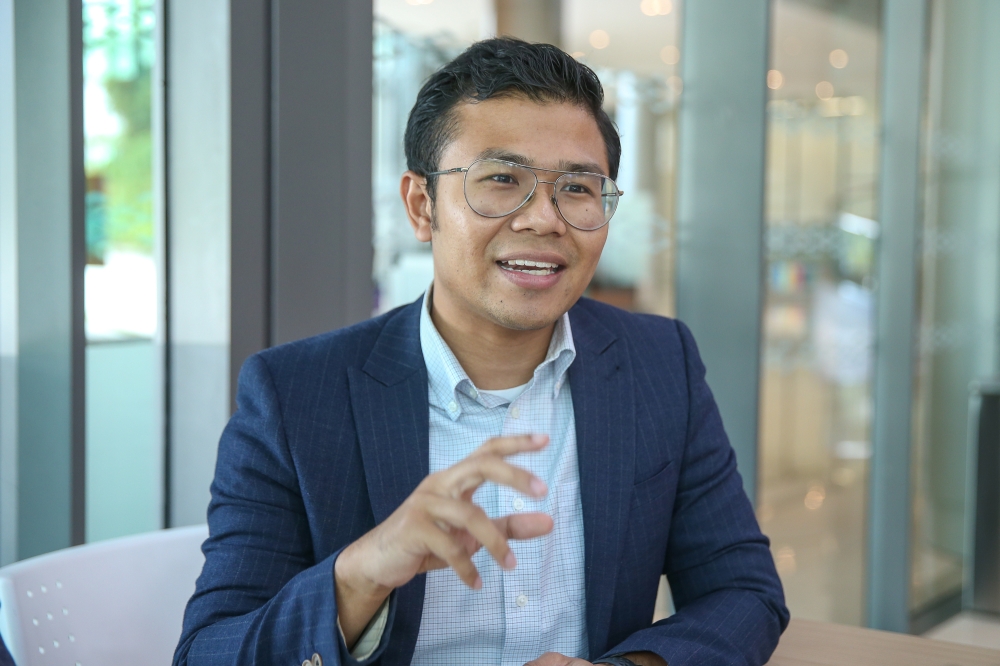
[[115, 602]]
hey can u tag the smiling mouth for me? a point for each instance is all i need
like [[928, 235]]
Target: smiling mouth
[[530, 267]]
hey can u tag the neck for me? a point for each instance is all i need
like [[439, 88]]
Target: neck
[[494, 357]]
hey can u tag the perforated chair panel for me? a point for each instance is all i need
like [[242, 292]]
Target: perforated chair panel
[[115, 602]]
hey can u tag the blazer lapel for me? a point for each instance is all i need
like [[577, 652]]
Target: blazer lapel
[[389, 401], [604, 408]]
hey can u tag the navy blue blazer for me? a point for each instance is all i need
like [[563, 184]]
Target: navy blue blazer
[[331, 435]]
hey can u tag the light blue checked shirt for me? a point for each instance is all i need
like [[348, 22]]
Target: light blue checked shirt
[[539, 606]]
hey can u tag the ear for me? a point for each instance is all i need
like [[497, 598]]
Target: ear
[[418, 204]]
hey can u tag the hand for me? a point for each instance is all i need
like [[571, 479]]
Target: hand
[[556, 659], [439, 526]]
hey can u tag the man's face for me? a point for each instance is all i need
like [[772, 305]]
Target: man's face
[[474, 255]]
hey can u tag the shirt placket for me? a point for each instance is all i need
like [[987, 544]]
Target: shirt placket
[[522, 586]]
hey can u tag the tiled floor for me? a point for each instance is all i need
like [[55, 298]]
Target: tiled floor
[[969, 629]]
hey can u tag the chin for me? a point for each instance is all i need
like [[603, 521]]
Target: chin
[[528, 318]]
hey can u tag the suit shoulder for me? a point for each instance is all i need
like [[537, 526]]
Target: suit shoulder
[[640, 329], [343, 347]]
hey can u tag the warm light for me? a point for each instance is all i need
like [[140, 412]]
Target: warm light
[[784, 560], [670, 54], [824, 90], [599, 39], [838, 58], [814, 498], [676, 84], [852, 106], [843, 476], [656, 7], [774, 79], [578, 54]]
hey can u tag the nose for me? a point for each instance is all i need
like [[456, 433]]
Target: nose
[[541, 213]]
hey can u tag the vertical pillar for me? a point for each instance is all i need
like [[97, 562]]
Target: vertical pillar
[[321, 166], [904, 24], [8, 290], [198, 146], [48, 94], [720, 205], [249, 182]]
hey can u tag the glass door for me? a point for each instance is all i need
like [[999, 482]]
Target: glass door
[[816, 365], [123, 281], [959, 288]]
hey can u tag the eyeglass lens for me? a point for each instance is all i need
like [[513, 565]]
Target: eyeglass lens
[[495, 188]]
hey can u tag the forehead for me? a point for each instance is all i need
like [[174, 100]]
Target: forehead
[[547, 134]]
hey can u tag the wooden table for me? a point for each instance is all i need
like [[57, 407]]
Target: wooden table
[[808, 643]]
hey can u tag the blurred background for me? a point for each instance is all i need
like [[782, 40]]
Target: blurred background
[[812, 185]]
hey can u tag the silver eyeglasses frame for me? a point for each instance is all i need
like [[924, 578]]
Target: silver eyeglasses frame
[[531, 195]]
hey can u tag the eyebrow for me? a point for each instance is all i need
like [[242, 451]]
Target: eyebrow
[[564, 165]]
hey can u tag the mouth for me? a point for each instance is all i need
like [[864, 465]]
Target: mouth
[[529, 267]]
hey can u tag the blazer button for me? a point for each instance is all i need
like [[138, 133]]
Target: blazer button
[[317, 660]]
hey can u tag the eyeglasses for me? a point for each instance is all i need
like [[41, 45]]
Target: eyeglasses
[[495, 188]]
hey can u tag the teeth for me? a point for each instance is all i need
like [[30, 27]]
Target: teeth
[[529, 262], [529, 267]]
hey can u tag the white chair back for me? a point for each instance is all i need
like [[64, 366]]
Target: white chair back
[[115, 602]]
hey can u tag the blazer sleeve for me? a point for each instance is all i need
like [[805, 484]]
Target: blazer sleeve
[[729, 600], [261, 597]]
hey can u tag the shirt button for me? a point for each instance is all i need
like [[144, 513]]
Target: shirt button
[[518, 504], [473, 393], [515, 412], [522, 600], [452, 406]]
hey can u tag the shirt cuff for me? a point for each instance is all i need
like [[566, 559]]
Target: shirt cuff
[[372, 635]]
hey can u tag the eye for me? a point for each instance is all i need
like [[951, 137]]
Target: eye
[[576, 188], [503, 179]]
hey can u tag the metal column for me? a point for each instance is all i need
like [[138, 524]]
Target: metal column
[[720, 205], [903, 80]]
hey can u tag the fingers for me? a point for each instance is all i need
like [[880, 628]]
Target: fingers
[[508, 446], [465, 476], [524, 525], [449, 550], [471, 518]]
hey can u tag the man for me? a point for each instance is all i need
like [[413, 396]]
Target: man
[[500, 472]]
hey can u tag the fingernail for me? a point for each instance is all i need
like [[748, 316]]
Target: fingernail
[[538, 487], [510, 561], [539, 439], [478, 584]]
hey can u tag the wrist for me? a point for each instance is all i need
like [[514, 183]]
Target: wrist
[[351, 578]]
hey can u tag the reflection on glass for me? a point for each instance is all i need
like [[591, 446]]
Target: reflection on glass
[[818, 328], [959, 282], [123, 384]]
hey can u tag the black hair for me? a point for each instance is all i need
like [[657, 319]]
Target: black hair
[[500, 67]]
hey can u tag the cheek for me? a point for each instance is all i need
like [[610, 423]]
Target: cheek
[[592, 245]]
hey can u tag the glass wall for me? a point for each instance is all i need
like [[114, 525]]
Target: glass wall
[[821, 231], [122, 281], [959, 282]]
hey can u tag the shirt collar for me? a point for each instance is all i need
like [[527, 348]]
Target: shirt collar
[[447, 378]]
